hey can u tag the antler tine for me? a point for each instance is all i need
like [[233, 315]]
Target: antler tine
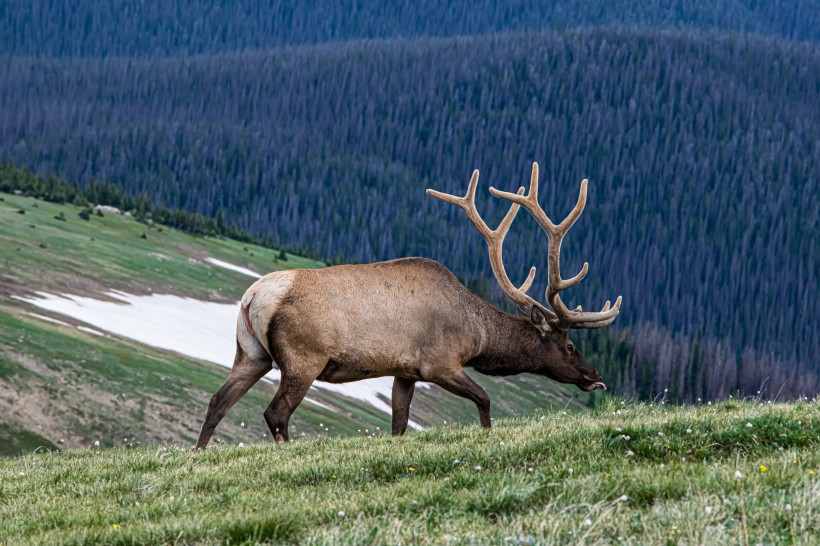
[[467, 204], [555, 234], [528, 283], [599, 319], [495, 240]]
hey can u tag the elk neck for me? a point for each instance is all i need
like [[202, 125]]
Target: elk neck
[[511, 345]]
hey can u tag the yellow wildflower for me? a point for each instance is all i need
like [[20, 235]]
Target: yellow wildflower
[[763, 468]]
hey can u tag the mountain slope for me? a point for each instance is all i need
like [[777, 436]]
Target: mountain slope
[[701, 151], [162, 27], [65, 378]]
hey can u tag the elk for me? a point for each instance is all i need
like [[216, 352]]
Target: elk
[[410, 319]]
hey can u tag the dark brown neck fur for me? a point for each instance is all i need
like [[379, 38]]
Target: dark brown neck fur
[[512, 347]]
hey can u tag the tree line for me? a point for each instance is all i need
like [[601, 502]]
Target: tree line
[[56, 190]]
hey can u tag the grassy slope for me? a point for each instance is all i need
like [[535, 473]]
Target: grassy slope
[[59, 383], [554, 479]]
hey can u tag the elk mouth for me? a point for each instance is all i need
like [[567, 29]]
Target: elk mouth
[[593, 385]]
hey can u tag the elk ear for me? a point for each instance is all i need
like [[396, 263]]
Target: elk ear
[[539, 319]]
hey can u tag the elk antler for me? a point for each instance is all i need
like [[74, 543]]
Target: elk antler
[[495, 240], [565, 318]]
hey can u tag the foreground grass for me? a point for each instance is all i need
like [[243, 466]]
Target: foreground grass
[[737, 472]]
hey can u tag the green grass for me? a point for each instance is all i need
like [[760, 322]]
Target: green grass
[[37, 249], [558, 478]]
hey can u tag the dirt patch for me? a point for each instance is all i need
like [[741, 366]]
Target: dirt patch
[[72, 413]]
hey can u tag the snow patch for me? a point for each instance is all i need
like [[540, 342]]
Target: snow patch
[[91, 331], [232, 267], [49, 319], [200, 329]]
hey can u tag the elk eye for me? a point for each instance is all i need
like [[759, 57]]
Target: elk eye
[[570, 347]]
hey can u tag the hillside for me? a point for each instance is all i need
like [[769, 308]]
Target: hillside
[[701, 151], [178, 27], [92, 366], [730, 473]]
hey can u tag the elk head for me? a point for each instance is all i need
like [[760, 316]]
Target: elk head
[[557, 356]]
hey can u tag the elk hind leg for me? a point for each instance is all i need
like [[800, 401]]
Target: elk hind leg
[[292, 390], [403, 390], [245, 373]]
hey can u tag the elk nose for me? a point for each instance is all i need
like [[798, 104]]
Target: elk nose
[[594, 376]]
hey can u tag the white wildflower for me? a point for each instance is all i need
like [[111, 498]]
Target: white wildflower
[[688, 431], [738, 474], [788, 508], [97, 443], [630, 453], [749, 425], [341, 513], [588, 522], [623, 498], [478, 467], [708, 510], [241, 444]]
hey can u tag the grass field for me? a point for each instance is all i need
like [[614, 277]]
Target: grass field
[[48, 246], [731, 473]]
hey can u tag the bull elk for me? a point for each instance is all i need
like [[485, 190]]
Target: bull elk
[[410, 319]]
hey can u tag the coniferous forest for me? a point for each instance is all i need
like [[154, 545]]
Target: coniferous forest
[[701, 144]]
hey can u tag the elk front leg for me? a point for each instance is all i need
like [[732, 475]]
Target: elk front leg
[[292, 390], [244, 374], [460, 383], [403, 390]]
